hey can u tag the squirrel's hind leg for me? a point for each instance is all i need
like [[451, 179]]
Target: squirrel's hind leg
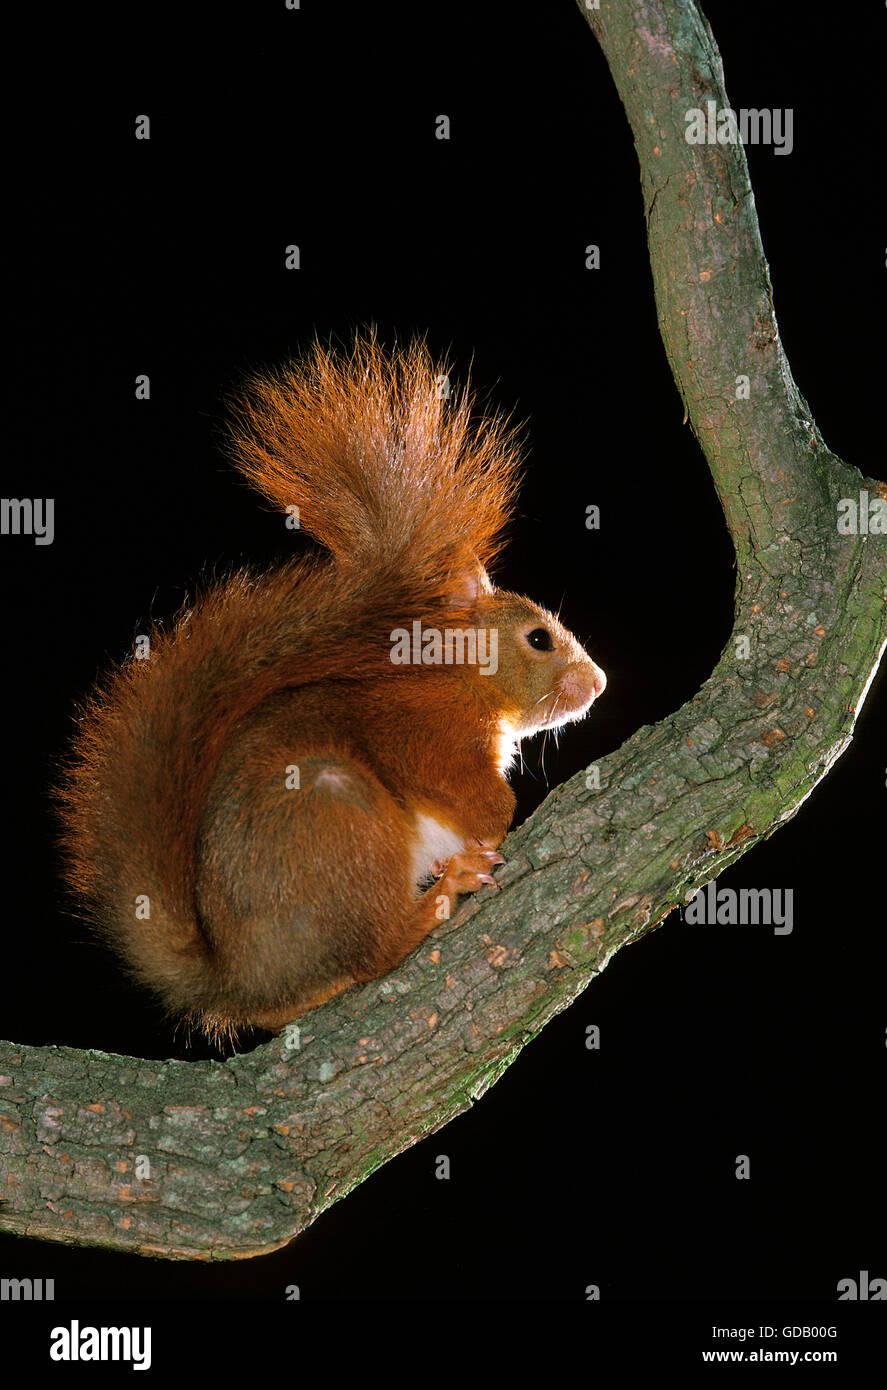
[[303, 891]]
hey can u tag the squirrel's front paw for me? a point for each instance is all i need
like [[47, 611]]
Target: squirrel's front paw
[[466, 871]]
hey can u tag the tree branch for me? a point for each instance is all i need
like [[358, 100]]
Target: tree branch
[[223, 1160]]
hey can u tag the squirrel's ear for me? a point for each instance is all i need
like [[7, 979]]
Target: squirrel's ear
[[468, 585]]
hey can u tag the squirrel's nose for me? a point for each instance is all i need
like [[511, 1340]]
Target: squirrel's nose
[[600, 680]]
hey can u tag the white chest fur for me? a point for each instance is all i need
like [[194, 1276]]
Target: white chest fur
[[432, 844], [507, 750]]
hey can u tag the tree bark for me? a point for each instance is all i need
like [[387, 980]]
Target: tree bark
[[229, 1159]]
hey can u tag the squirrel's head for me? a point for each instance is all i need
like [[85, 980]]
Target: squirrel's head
[[545, 677], [537, 675]]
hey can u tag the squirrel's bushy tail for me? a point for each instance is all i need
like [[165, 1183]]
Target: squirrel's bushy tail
[[404, 490], [381, 456]]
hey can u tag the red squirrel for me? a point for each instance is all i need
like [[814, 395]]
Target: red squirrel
[[252, 812]]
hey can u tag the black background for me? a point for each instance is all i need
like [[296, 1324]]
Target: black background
[[166, 257]]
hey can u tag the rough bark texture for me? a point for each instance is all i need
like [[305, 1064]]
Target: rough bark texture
[[245, 1154]]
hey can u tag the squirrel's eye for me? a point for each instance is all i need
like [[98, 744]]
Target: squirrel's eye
[[540, 639]]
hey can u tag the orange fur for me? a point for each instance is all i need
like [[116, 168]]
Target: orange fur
[[265, 900]]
